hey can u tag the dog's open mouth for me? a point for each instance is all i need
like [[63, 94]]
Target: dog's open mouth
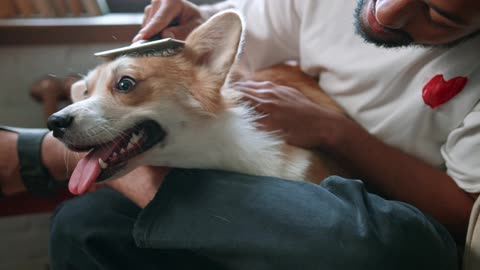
[[104, 160]]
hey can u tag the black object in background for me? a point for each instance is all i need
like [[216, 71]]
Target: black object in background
[[133, 6]]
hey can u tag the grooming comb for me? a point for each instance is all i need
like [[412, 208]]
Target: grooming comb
[[142, 48], [154, 44]]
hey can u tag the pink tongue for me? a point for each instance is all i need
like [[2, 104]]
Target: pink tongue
[[88, 169]]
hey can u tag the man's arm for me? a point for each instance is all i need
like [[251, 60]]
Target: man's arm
[[400, 176]]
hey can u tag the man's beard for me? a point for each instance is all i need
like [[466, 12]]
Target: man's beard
[[403, 39]]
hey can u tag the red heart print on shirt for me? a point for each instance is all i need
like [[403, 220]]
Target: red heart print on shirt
[[438, 91]]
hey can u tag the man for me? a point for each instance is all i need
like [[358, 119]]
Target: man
[[417, 116]]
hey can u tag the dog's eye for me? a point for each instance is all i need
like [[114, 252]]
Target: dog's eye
[[126, 84]]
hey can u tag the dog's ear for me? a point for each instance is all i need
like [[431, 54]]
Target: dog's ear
[[215, 44]]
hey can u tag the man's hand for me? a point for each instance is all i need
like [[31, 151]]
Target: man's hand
[[301, 121], [140, 185], [160, 13]]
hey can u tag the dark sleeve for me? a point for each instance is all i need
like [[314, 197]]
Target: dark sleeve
[[251, 222]]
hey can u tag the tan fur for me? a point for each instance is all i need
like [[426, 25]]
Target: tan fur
[[290, 74], [319, 166]]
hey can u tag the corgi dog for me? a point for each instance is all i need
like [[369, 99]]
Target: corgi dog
[[179, 110]]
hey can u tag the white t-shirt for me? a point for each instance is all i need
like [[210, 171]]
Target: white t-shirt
[[381, 89]]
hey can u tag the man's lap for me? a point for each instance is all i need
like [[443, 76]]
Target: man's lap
[[251, 222], [94, 231]]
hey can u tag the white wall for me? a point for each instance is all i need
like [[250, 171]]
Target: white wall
[[21, 66]]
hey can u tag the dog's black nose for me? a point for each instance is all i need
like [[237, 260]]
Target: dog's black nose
[[58, 124]]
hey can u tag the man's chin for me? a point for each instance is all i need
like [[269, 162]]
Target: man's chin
[[395, 39]]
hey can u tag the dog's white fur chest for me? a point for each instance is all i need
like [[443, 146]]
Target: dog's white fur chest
[[231, 141]]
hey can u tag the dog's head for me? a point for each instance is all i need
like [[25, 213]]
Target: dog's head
[[134, 108]]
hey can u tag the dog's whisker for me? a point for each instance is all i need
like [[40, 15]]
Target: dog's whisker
[[65, 159], [106, 130]]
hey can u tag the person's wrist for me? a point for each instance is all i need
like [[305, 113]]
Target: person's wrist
[[140, 185], [344, 133]]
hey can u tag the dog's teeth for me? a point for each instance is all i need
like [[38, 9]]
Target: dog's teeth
[[129, 146], [122, 151], [114, 155], [103, 165], [134, 138]]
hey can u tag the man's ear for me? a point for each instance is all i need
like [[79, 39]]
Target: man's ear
[[215, 44]]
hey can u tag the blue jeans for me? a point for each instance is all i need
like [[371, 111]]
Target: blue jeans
[[207, 219]]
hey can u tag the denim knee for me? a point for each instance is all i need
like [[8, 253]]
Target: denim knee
[[67, 221], [66, 244], [388, 230], [88, 223]]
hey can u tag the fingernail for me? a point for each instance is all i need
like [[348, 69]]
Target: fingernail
[[136, 37], [138, 42], [168, 34]]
